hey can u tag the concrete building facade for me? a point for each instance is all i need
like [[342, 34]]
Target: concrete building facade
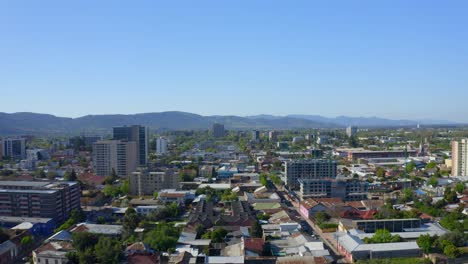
[[137, 134], [309, 169], [117, 155], [460, 157], [161, 145], [218, 130], [348, 190], [53, 200], [14, 148], [147, 182]]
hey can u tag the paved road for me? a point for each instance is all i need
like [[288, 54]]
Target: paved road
[[327, 238]]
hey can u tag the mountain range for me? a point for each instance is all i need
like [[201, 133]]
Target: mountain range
[[34, 123]]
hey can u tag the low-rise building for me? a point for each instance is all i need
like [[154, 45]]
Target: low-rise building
[[147, 182]]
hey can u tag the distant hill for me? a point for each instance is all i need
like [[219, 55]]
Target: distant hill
[[33, 123]]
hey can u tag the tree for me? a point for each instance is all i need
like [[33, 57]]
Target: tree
[[70, 176], [114, 175], [256, 230], [218, 235], [163, 238], [451, 251], [380, 172], [125, 187], [410, 166], [27, 242], [425, 242], [382, 236], [84, 240], [263, 179], [130, 221], [433, 181], [321, 217], [460, 187], [431, 165], [107, 250]]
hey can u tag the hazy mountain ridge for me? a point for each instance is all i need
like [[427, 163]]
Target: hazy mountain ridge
[[34, 123]]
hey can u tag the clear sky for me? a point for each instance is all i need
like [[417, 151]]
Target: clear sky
[[395, 59]]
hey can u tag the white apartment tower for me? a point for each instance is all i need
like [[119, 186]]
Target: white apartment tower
[[117, 155], [161, 145], [460, 157]]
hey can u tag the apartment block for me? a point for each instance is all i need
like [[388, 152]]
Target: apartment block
[[351, 131], [218, 130], [460, 158], [41, 199], [115, 155], [147, 182], [14, 148], [309, 169], [348, 190], [161, 145], [137, 134]]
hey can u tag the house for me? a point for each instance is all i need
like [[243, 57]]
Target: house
[[54, 249], [310, 207], [253, 247], [36, 226], [171, 196], [108, 230], [238, 214]]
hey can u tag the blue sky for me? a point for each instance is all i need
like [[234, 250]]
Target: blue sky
[[395, 59]]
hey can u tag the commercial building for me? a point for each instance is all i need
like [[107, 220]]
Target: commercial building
[[348, 190], [351, 131], [137, 134], [218, 130], [309, 169], [14, 148], [116, 155], [146, 182], [369, 154], [460, 157], [161, 145], [53, 200]]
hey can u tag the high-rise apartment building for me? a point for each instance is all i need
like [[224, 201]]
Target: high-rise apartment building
[[309, 169], [273, 135], [255, 135], [138, 134], [39, 199], [161, 145], [14, 148], [117, 155], [460, 157], [218, 130], [147, 182], [351, 131]]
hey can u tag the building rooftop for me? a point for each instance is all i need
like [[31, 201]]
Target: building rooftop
[[18, 219], [98, 229]]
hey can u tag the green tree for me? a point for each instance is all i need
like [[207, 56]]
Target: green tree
[[451, 251], [256, 230], [410, 166], [218, 235], [125, 187], [107, 250], [380, 172], [321, 217], [70, 176], [130, 221], [431, 165], [460, 187], [425, 242], [163, 238], [433, 181], [263, 179], [382, 236]]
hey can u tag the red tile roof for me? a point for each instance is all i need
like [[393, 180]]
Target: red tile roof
[[254, 244]]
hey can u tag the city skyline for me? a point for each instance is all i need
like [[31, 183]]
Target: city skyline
[[399, 61]]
